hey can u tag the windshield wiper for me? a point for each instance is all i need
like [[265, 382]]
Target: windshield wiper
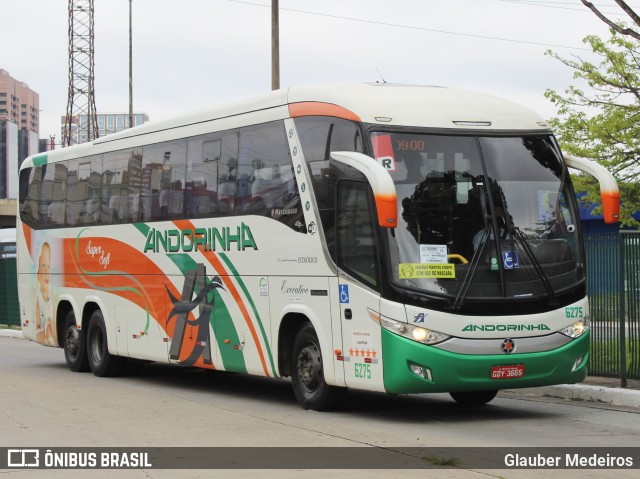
[[475, 260], [537, 267], [514, 231]]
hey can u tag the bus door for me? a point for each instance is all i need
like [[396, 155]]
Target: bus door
[[358, 283]]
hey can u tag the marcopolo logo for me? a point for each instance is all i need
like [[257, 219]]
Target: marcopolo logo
[[506, 327], [210, 239]]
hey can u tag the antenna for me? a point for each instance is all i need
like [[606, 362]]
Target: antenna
[[381, 77]]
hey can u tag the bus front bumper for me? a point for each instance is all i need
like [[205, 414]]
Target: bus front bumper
[[412, 367]]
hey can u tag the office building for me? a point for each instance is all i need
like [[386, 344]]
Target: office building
[[107, 123], [19, 130]]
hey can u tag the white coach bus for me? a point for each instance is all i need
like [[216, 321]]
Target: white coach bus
[[396, 238]]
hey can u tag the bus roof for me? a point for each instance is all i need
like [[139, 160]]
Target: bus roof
[[377, 103]]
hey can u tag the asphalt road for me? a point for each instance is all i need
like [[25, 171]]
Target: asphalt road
[[42, 404]]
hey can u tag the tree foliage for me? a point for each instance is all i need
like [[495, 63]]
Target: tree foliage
[[602, 122]]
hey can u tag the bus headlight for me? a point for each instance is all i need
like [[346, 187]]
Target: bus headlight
[[577, 329], [409, 331]]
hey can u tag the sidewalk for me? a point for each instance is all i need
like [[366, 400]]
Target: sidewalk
[[593, 389]]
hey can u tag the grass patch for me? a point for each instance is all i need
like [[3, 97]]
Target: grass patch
[[442, 461], [10, 326], [604, 358]]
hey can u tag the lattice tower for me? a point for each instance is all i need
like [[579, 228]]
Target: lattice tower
[[81, 105]]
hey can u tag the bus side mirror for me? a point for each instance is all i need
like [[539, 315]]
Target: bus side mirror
[[609, 191], [384, 190]]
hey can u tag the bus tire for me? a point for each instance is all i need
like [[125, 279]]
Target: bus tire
[[307, 375], [102, 363], [75, 350], [473, 398]]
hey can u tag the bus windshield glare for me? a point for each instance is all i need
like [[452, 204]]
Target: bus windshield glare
[[481, 217]]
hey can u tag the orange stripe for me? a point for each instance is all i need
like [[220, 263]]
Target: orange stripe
[[27, 237], [387, 207], [315, 108], [219, 268], [154, 297], [611, 206]]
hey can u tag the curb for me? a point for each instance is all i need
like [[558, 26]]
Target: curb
[[11, 333], [580, 392]]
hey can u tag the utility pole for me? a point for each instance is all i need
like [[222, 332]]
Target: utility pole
[[130, 69], [275, 45]]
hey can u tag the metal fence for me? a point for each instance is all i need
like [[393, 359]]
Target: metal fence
[[9, 313], [613, 268]]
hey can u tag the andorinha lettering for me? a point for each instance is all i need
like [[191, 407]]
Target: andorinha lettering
[[209, 239], [506, 327]]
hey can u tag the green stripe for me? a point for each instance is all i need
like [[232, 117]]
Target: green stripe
[[40, 160], [143, 228], [253, 307], [221, 321]]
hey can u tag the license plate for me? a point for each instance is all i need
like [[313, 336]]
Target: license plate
[[507, 372]]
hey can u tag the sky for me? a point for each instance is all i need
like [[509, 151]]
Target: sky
[[191, 54]]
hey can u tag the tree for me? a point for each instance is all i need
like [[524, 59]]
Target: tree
[[618, 27], [603, 121]]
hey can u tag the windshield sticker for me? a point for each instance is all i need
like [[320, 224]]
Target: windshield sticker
[[384, 151], [422, 270], [510, 260], [433, 253]]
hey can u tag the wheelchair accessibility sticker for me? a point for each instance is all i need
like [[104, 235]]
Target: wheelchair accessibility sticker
[[510, 260], [344, 293]]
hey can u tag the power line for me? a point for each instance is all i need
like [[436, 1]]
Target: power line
[[410, 27]]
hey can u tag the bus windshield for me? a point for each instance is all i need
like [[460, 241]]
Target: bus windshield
[[481, 217]]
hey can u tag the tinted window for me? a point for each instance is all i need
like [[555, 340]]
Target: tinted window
[[84, 185], [211, 179], [53, 199], [121, 181], [356, 233], [320, 136], [29, 192], [266, 183], [163, 179]]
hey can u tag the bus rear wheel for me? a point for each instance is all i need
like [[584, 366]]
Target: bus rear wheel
[[75, 351], [473, 398], [102, 363], [307, 376]]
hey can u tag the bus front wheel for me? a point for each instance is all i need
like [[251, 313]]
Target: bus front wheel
[[307, 375], [75, 351], [473, 398], [102, 363]]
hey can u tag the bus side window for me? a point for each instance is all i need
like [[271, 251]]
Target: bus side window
[[211, 174], [84, 182], [319, 136], [53, 191], [121, 180], [356, 232], [163, 177], [266, 181], [28, 197]]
